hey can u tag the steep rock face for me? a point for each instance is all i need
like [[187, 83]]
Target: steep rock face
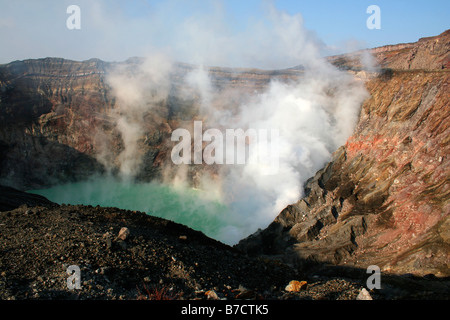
[[384, 197], [46, 117], [58, 118]]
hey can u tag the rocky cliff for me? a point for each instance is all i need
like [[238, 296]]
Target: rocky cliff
[[57, 117], [48, 111], [431, 53], [384, 197]]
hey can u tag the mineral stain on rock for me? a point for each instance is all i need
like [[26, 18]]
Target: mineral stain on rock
[[383, 199]]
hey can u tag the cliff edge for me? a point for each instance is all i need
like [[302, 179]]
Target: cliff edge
[[384, 198]]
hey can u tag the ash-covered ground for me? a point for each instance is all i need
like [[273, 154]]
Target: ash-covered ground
[[155, 259]]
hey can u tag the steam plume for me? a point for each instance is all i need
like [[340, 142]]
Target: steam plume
[[314, 115]]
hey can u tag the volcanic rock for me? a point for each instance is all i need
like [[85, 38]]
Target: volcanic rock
[[12, 198], [296, 286], [384, 198], [123, 233], [56, 116]]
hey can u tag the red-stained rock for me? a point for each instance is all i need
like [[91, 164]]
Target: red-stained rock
[[388, 187], [296, 286]]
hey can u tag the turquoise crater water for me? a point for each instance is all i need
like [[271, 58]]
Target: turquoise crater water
[[191, 207]]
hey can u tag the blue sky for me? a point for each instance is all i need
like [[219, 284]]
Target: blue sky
[[205, 31], [401, 20]]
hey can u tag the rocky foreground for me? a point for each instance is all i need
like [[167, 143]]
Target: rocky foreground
[[128, 255]]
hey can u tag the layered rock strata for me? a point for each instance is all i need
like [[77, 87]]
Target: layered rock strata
[[384, 197]]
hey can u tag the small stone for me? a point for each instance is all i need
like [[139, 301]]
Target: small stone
[[182, 237], [211, 295], [364, 295], [123, 233], [296, 286]]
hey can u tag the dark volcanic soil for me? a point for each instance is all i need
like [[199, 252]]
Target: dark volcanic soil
[[159, 259], [39, 243]]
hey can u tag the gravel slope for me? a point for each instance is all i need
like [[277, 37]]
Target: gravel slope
[[157, 259]]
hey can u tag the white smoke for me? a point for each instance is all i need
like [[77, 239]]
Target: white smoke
[[280, 40], [137, 92], [314, 115]]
